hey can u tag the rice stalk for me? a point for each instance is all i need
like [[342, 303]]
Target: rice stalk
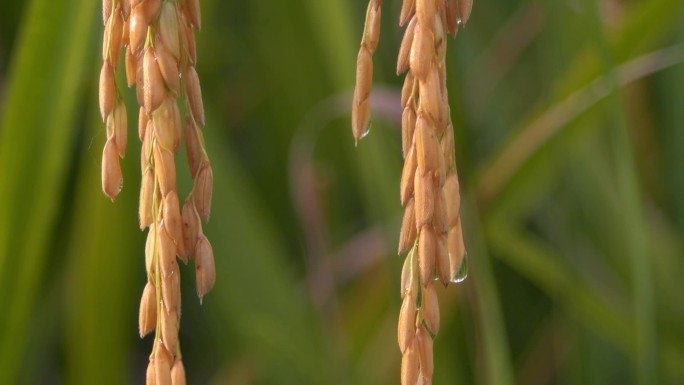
[[157, 37], [431, 229]]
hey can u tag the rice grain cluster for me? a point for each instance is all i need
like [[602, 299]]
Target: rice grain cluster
[[431, 232], [156, 39]]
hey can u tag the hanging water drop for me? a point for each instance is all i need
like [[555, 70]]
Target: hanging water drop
[[366, 132], [462, 272]]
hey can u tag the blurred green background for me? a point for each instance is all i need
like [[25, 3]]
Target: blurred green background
[[570, 142]]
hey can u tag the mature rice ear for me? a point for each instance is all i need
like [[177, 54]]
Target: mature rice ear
[[160, 59], [429, 191]]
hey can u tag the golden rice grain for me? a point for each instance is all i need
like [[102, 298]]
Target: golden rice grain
[[193, 147], [406, 275], [117, 128], [406, 328], [203, 191], [165, 169], [443, 263], [425, 356], [440, 221], [364, 74], [151, 373], [451, 195], [112, 179], [421, 51], [107, 90], [405, 47], [424, 197], [168, 66], [193, 13], [149, 9], [408, 233], [145, 203], [425, 11], [142, 123], [106, 10], [205, 271], [188, 37], [408, 125], [456, 249], [430, 308], [430, 94], [178, 372], [166, 250], [162, 364], [406, 185], [150, 248], [427, 247], [137, 30], [427, 147], [169, 326], [147, 316], [153, 82], [408, 89], [451, 16], [114, 28], [465, 7], [408, 8], [170, 284], [174, 223], [146, 153], [410, 365], [191, 227], [164, 121], [169, 31], [194, 94], [371, 34]]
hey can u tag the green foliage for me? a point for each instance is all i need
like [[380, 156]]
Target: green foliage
[[568, 133]]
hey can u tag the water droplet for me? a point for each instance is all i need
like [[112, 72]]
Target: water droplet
[[363, 135], [462, 273], [366, 132], [459, 22]]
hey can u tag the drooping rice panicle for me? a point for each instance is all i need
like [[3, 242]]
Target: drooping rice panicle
[[431, 230], [157, 37]]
